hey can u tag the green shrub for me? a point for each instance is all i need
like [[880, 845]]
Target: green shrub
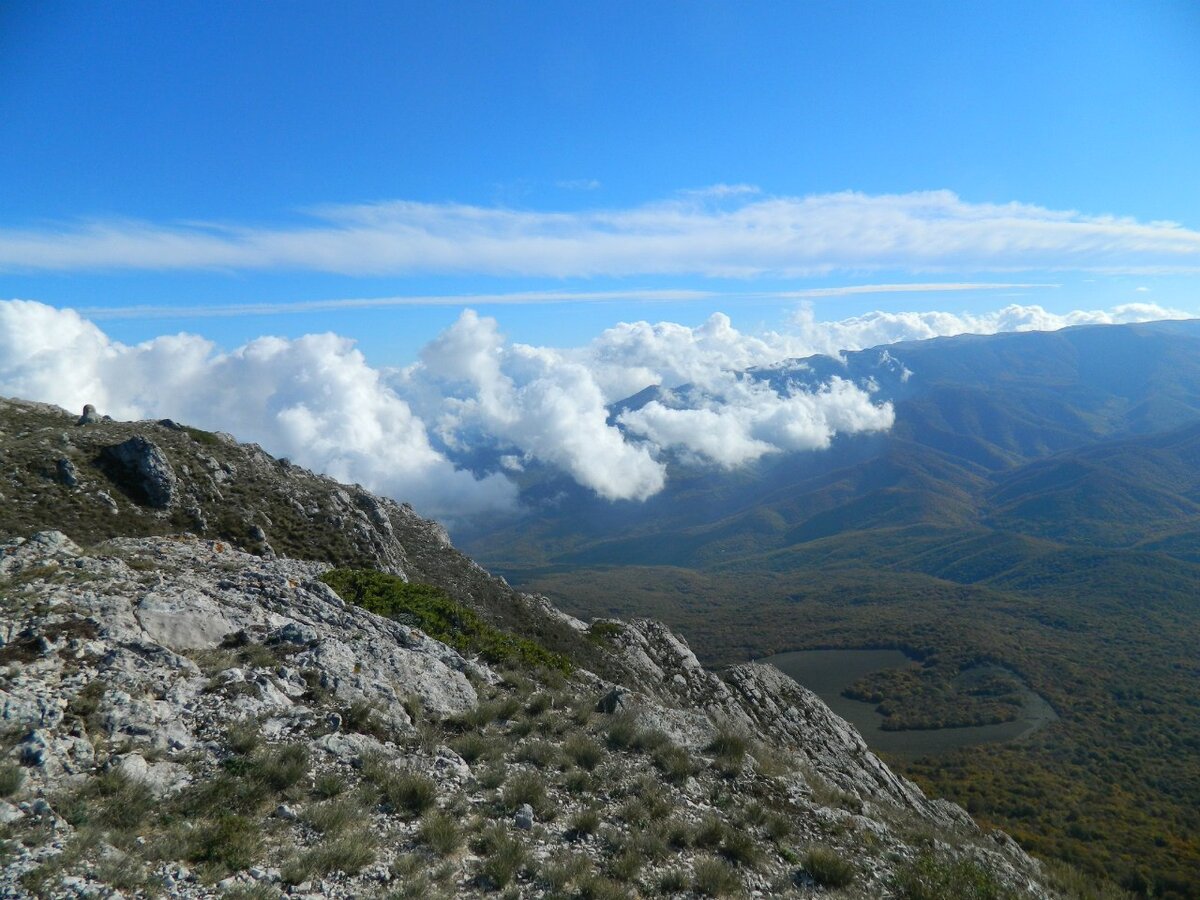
[[243, 738], [441, 833], [827, 867], [527, 787], [583, 823], [407, 793], [493, 776], [434, 612], [672, 881], [678, 834], [583, 751], [578, 782], [715, 878], [645, 807], [333, 816], [11, 779], [230, 843], [675, 763], [282, 767], [626, 864], [596, 887], [472, 746], [621, 732], [709, 833], [729, 750], [647, 739], [109, 800], [604, 630], [349, 853], [329, 785], [229, 792], [777, 826], [540, 753], [740, 847], [504, 856], [359, 717], [931, 878], [538, 704], [564, 870]]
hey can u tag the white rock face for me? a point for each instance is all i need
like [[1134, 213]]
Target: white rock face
[[118, 625]]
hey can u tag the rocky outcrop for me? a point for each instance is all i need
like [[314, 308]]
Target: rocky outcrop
[[162, 670], [762, 702], [195, 714], [142, 468]]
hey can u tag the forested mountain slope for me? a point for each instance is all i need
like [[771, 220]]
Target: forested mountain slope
[[1035, 506]]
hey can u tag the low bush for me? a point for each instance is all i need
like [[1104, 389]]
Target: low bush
[[407, 793], [333, 816], [527, 787], [11, 779], [929, 877], [740, 847], [472, 746], [503, 856], [583, 823], [441, 833], [243, 738], [583, 751], [349, 853], [329, 785], [675, 763], [282, 767], [827, 867], [434, 612], [716, 878], [228, 843], [540, 753]]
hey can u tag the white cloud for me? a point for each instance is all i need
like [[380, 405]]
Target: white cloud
[[472, 384], [475, 397], [744, 420], [525, 298], [313, 399], [722, 231]]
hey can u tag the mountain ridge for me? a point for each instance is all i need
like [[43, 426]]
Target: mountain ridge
[[190, 718]]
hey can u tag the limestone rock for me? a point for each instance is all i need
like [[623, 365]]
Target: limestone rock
[[67, 473], [143, 468]]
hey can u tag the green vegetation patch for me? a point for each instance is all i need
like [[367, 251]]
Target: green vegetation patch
[[431, 609], [913, 698]]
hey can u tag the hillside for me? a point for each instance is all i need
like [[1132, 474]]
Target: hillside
[[1035, 506], [222, 675]]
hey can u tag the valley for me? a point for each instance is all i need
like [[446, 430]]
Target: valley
[[831, 673], [1033, 508]]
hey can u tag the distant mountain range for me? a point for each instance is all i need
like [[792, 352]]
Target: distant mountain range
[[1085, 434], [1036, 504]]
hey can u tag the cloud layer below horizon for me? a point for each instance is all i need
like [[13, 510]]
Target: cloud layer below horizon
[[474, 394], [717, 232]]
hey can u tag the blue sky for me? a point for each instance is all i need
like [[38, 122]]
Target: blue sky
[[252, 115], [423, 246]]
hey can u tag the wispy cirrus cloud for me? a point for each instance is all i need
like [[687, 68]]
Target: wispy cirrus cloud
[[727, 231], [524, 298]]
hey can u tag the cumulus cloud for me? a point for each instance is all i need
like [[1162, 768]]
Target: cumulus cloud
[[727, 230], [448, 431], [744, 420], [313, 399]]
